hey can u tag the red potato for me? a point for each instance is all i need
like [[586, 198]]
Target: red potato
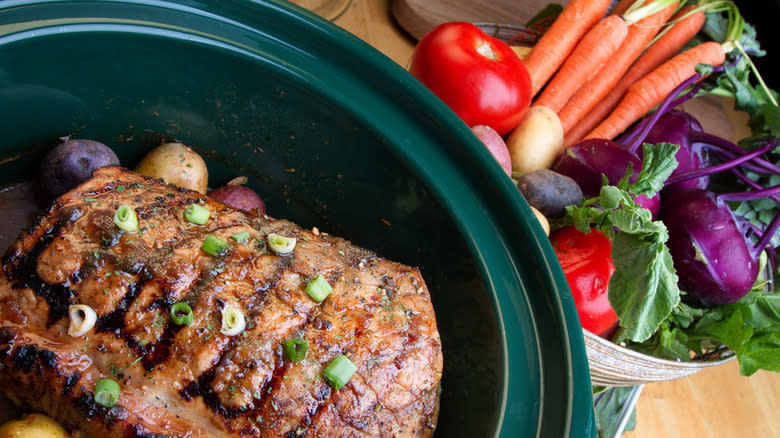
[[495, 144], [240, 197]]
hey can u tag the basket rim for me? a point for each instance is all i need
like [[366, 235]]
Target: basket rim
[[693, 364]]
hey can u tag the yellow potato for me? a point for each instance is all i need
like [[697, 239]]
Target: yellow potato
[[542, 220], [536, 141], [33, 426], [176, 164]]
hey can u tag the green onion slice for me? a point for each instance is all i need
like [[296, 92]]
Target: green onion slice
[[214, 245], [295, 349], [339, 371], [125, 218], [106, 392], [196, 214], [82, 319], [233, 322], [319, 288], [181, 313], [242, 237], [280, 244]]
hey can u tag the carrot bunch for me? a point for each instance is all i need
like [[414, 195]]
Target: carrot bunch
[[600, 72]]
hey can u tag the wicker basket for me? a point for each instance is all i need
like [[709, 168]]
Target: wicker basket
[[510, 34], [613, 365]]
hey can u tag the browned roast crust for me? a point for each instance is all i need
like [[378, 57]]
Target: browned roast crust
[[192, 380]]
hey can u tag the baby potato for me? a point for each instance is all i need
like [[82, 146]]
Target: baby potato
[[240, 197], [176, 164], [72, 163], [542, 220], [536, 141], [33, 426]]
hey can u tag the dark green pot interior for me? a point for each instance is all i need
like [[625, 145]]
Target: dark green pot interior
[[332, 134]]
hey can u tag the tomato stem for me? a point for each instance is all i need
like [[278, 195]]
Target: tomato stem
[[486, 50]]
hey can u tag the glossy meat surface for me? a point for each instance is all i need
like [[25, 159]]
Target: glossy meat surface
[[188, 381]]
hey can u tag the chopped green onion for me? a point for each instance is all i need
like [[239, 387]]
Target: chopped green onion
[[82, 319], [125, 218], [295, 349], [318, 289], [181, 313], [214, 245], [233, 322], [196, 214], [106, 392], [339, 371], [280, 244], [242, 237]]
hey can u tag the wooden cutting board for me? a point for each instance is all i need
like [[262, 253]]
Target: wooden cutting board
[[420, 16]]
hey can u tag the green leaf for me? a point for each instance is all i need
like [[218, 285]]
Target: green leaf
[[761, 352], [666, 343], [733, 331], [771, 118], [764, 313], [611, 197], [545, 17], [684, 315], [658, 163], [608, 406], [643, 290]]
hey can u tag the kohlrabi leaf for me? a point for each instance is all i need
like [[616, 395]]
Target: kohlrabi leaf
[[658, 163], [643, 290]]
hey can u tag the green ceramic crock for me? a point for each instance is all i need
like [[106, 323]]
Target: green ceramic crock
[[333, 135]]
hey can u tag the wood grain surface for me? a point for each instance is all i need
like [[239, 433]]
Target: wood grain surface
[[419, 16], [714, 403]]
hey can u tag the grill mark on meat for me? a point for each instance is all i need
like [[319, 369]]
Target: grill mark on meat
[[138, 432], [322, 394], [160, 351], [24, 358], [270, 386], [115, 321], [86, 406], [23, 274], [47, 358], [7, 338], [70, 382], [203, 388]]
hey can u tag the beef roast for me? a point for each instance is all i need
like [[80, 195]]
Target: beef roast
[[192, 380]]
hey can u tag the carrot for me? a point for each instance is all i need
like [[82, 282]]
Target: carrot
[[596, 47], [622, 6], [552, 49], [639, 35], [651, 90], [686, 23]]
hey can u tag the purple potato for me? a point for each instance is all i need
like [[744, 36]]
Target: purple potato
[[72, 163], [549, 191]]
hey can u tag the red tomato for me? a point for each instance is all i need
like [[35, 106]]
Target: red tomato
[[478, 76], [586, 260]]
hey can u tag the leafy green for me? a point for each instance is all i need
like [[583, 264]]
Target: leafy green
[[643, 290], [545, 18], [609, 407], [741, 80], [750, 328]]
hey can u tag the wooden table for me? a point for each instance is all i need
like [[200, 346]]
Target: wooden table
[[715, 403]]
